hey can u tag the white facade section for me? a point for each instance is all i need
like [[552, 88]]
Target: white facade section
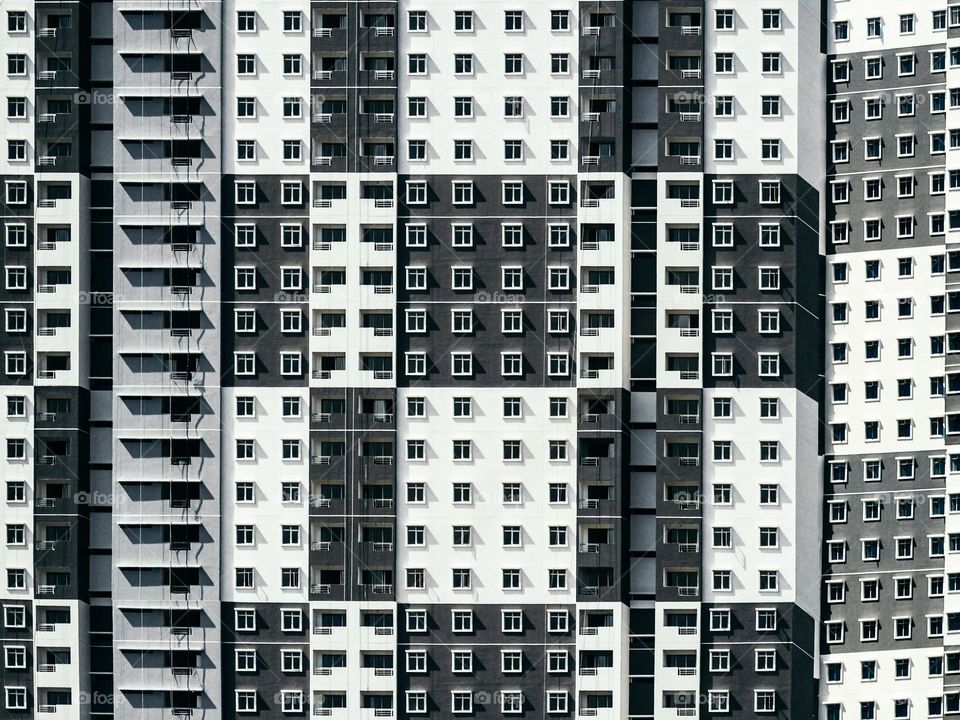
[[335, 352], [885, 687], [17, 468], [753, 95], [883, 378], [280, 87], [353, 639], [680, 284], [54, 297], [20, 125], [477, 66], [269, 512], [763, 536], [613, 341], [876, 26], [487, 514]]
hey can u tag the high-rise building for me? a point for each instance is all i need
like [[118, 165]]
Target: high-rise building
[[375, 358], [888, 618]]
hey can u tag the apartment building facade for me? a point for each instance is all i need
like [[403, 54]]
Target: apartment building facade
[[887, 615], [367, 358]]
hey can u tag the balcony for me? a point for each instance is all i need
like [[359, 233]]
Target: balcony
[[377, 467], [325, 589], [376, 420], [682, 467], [684, 460], [333, 505], [592, 507], [378, 589]]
